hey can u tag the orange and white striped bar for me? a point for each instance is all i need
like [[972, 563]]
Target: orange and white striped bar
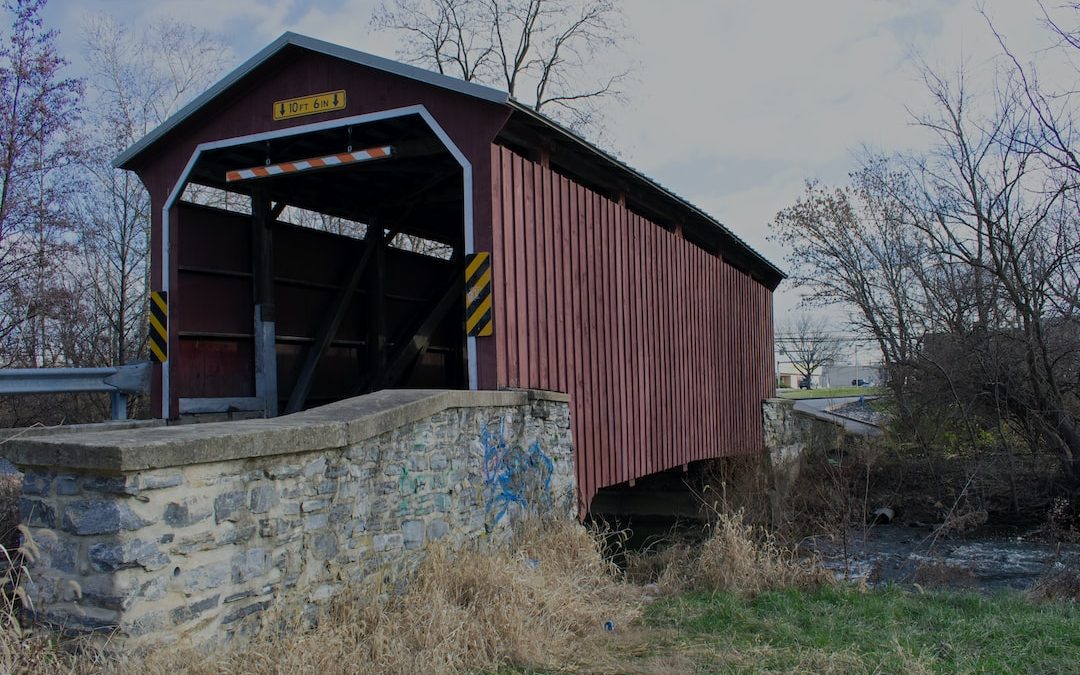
[[325, 162]]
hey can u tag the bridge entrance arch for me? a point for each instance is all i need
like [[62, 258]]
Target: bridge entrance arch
[[316, 263]]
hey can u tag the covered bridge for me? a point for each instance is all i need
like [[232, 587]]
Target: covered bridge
[[314, 216]]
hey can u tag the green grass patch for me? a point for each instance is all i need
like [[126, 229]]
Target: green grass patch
[[831, 392], [845, 630]]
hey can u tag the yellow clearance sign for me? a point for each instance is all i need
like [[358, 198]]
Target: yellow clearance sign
[[309, 105]]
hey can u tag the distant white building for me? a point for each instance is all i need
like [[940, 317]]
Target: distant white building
[[848, 375], [788, 376]]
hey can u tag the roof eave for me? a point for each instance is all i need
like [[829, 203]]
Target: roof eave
[[472, 89]]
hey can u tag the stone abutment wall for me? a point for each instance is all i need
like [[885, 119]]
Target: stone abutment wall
[[196, 532], [789, 435]]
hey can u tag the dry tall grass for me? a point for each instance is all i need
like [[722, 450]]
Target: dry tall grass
[[1059, 583], [540, 603], [22, 651], [737, 557], [10, 491]]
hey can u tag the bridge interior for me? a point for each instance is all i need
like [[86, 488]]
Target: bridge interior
[[317, 284]]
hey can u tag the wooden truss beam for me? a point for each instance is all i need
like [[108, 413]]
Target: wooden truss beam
[[275, 212], [373, 241], [418, 339]]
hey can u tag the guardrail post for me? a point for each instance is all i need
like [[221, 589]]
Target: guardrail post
[[119, 405]]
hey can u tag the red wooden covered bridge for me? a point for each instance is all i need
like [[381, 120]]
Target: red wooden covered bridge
[[313, 219]]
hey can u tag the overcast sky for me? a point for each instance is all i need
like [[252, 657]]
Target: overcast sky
[[734, 104]]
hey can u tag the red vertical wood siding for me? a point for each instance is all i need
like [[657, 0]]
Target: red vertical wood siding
[[664, 348]]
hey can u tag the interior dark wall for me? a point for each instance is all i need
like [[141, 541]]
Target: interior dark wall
[[214, 328]]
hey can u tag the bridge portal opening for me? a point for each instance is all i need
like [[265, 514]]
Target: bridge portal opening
[[307, 271]]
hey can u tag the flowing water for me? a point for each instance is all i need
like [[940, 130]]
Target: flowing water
[[987, 561]]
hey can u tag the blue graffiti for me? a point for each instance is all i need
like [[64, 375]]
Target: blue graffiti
[[514, 478]]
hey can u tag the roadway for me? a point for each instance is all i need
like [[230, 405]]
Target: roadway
[[819, 408]]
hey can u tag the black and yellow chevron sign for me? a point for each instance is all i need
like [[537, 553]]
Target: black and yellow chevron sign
[[159, 326], [478, 317]]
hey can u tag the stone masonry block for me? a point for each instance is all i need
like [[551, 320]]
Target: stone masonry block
[[242, 612], [67, 485], [227, 506], [236, 597], [240, 533], [310, 505], [109, 557], [387, 542], [188, 612], [263, 498], [203, 541], [340, 512], [36, 483], [120, 485], [55, 552], [324, 545], [315, 467], [160, 481], [185, 513], [250, 564], [206, 577], [284, 471], [101, 621], [337, 471], [104, 516], [437, 529], [151, 622], [37, 513]]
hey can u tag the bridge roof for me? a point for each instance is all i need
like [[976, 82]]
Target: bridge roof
[[525, 125]]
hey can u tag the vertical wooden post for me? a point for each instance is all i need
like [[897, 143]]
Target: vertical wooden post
[[262, 263], [376, 306]]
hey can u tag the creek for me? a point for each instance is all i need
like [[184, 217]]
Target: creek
[[987, 560]]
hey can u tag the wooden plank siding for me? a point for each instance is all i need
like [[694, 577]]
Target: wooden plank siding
[[664, 348]]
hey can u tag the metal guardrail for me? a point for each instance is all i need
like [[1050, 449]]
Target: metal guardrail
[[118, 381]]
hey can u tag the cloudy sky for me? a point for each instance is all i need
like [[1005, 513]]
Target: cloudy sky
[[733, 104]]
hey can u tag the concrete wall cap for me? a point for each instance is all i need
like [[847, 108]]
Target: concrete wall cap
[[541, 395], [337, 424], [11, 433]]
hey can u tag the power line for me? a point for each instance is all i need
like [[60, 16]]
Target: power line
[[782, 338]]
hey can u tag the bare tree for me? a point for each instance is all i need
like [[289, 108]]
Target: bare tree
[[38, 114], [1003, 212], [962, 263], [541, 51], [138, 79], [806, 342], [856, 247]]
